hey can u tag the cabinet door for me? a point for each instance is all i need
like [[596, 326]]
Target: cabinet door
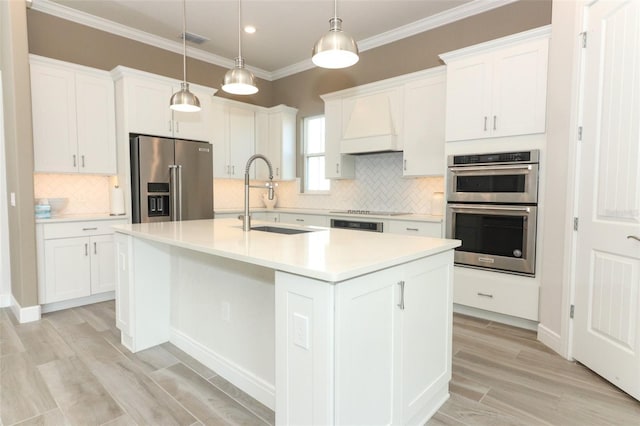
[[96, 124], [425, 334], [336, 165], [282, 143], [103, 266], [241, 141], [67, 269], [195, 125], [220, 139], [367, 347], [263, 146], [149, 111], [424, 117], [53, 103], [520, 89], [468, 98]]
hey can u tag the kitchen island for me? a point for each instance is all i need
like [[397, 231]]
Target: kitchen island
[[325, 327]]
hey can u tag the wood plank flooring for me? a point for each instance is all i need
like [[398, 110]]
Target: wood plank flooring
[[70, 369]]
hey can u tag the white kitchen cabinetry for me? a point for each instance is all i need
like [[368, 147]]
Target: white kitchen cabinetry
[[145, 100], [233, 140], [424, 118], [408, 227], [73, 109], [408, 302], [304, 219], [75, 262], [276, 139], [336, 164], [498, 88]]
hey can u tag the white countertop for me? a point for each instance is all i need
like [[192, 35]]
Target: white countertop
[[80, 218], [330, 212], [326, 254]]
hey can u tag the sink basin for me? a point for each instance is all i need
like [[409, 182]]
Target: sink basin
[[279, 230]]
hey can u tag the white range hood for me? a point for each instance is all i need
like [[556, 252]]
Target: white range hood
[[371, 123]]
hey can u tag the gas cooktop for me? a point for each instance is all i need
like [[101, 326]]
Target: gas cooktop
[[369, 212]]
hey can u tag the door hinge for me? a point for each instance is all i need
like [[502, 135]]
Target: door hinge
[[575, 223], [580, 133], [584, 39], [572, 311]]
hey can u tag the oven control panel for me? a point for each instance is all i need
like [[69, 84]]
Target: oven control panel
[[495, 158]]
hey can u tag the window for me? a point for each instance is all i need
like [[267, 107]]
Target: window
[[314, 179]]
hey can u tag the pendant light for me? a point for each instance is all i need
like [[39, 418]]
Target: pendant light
[[336, 49], [183, 100], [239, 80]]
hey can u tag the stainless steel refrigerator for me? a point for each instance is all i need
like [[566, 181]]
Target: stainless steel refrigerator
[[171, 179]]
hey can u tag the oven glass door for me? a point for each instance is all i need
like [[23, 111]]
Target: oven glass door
[[494, 237], [513, 183]]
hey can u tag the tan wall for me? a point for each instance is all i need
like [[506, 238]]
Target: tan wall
[[68, 41], [19, 150], [408, 55]]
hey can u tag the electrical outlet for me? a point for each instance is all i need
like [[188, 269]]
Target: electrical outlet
[[301, 331], [225, 311]]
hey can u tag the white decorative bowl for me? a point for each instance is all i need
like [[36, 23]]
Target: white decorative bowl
[[58, 205]]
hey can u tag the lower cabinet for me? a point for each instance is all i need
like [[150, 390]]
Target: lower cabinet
[[410, 333], [75, 260]]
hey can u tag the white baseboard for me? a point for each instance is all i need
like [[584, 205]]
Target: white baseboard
[[256, 387], [5, 300], [551, 339], [28, 314], [494, 316], [73, 303]]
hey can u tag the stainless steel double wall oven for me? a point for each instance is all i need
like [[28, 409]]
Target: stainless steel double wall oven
[[492, 207]]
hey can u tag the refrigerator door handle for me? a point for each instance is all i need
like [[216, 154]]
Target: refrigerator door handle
[[173, 192], [179, 192]]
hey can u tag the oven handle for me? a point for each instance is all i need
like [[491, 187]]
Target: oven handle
[[484, 207], [489, 169]]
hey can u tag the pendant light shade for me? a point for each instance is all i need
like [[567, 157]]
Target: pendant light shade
[[239, 80], [336, 49], [183, 100]]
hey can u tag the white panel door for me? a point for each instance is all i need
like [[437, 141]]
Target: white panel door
[[103, 264], [607, 293], [95, 100], [241, 141], [67, 269], [53, 105], [149, 107]]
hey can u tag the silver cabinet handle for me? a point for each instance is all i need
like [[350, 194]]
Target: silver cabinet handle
[[490, 296], [404, 165], [233, 170], [95, 248], [74, 160], [86, 249], [90, 229], [485, 123], [633, 237], [277, 171], [82, 157], [412, 229], [299, 220], [494, 122], [337, 167], [401, 304]]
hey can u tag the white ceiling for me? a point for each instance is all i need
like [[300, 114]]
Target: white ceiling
[[286, 29]]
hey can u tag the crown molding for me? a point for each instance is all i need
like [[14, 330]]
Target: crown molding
[[70, 14], [463, 11]]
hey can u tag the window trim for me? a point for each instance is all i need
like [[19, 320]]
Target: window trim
[[306, 156]]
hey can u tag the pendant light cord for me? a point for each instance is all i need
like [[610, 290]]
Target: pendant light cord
[[239, 32], [184, 40], [335, 8]]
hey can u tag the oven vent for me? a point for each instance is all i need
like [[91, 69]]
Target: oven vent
[[193, 38]]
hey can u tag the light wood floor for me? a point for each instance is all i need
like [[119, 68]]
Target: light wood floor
[[69, 368]]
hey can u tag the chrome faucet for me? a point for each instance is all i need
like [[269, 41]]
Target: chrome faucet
[[246, 218]]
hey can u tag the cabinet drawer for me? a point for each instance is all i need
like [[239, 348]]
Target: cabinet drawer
[[496, 292], [79, 229], [423, 229], [303, 219]]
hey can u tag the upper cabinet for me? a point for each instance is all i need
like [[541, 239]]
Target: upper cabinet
[[145, 101], [276, 139], [404, 113], [233, 138], [498, 88], [73, 112]]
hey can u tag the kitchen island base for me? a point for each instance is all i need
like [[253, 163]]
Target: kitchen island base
[[372, 349]]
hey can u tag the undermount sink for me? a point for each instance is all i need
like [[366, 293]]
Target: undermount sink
[[279, 230]]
